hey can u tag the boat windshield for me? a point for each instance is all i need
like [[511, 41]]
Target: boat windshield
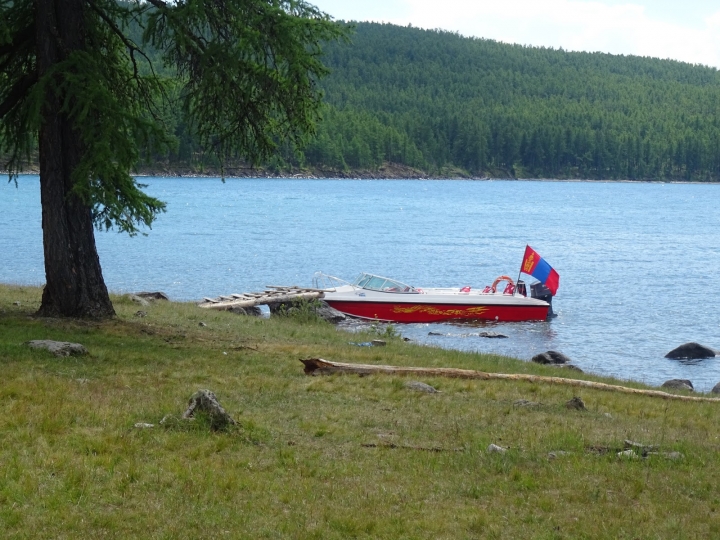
[[377, 283]]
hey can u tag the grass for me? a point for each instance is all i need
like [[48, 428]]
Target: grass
[[323, 457]]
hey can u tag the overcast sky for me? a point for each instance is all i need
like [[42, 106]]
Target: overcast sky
[[686, 30]]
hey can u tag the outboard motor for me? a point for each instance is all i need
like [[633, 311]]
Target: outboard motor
[[541, 292]]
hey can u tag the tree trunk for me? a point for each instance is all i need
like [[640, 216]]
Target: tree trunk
[[74, 282]]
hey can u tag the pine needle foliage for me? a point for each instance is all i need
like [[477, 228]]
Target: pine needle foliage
[[245, 73]]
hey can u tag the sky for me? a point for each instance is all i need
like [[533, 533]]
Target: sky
[[685, 30]]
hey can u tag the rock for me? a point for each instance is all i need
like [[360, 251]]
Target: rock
[[378, 343], [628, 454], [716, 389], [206, 402], [497, 335], [202, 324], [494, 448], [576, 403], [16, 303], [143, 425], [558, 453], [691, 351], [139, 300], [526, 403], [551, 357], [141, 313], [643, 448], [435, 334], [678, 384], [59, 348], [570, 367], [329, 314], [421, 387], [153, 295]]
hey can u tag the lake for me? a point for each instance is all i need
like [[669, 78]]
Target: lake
[[637, 261]]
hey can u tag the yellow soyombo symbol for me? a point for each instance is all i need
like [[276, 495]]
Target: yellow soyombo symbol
[[429, 310], [529, 263]]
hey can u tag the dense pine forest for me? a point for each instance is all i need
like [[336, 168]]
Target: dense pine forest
[[434, 103], [441, 102]]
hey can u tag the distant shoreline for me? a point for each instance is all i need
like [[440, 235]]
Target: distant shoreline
[[390, 172]]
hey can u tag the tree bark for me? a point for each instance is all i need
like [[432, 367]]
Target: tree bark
[[74, 282]]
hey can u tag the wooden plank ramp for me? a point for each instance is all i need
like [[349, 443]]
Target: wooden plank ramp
[[272, 294]]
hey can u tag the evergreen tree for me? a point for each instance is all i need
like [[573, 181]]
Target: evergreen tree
[[77, 83]]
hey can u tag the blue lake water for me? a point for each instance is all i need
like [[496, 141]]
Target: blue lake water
[[638, 261]]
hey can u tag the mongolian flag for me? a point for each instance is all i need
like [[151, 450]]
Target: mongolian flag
[[535, 266]]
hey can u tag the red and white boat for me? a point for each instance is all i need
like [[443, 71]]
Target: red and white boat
[[383, 299]]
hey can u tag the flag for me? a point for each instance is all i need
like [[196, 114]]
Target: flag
[[533, 264]]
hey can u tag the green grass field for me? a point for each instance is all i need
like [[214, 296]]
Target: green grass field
[[323, 457]]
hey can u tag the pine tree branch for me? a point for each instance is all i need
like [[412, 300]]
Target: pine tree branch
[[119, 33], [17, 93], [22, 37]]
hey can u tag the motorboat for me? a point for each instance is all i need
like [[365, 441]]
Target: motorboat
[[383, 299]]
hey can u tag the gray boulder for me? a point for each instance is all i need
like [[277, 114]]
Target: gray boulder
[[330, 314], [206, 402], [678, 384], [551, 357], [138, 300], [716, 389], [691, 351], [58, 348], [153, 295]]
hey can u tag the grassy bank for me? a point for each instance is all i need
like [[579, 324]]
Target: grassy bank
[[323, 457]]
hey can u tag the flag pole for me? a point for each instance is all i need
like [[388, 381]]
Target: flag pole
[[520, 272]]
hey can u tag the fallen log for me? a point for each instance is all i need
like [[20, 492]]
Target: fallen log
[[318, 366]]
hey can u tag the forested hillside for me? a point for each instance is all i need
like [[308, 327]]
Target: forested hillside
[[439, 101], [445, 105]]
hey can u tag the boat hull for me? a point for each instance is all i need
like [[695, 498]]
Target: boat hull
[[417, 312]]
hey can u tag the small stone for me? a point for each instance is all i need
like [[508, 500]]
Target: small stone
[[494, 448], [644, 448], [526, 403], [492, 335], [678, 384], [628, 454], [558, 453], [16, 303], [570, 367], [202, 324], [143, 425], [378, 343], [141, 313], [576, 403], [608, 415], [435, 334], [421, 387], [58, 348]]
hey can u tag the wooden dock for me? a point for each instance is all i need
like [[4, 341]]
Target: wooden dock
[[273, 294]]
